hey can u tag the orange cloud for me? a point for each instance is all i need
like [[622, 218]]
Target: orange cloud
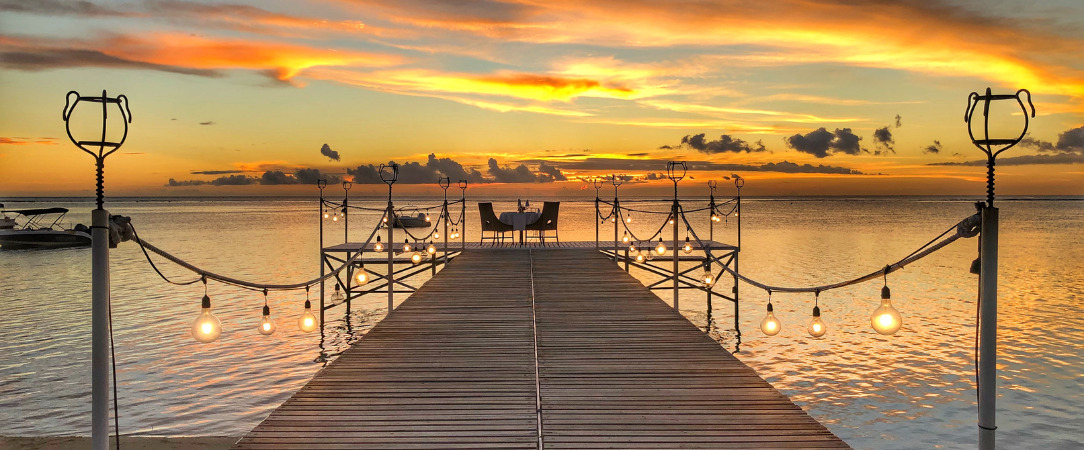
[[284, 61], [27, 141]]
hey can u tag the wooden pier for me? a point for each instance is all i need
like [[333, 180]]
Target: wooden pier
[[536, 348]]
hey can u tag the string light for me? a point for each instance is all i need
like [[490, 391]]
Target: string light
[[632, 248], [639, 257], [628, 218], [688, 247], [361, 276], [436, 235], [307, 321], [661, 248], [426, 217], [770, 325], [206, 327], [625, 237], [886, 319], [267, 324], [335, 218], [406, 245], [326, 215], [338, 295], [378, 246], [707, 278], [816, 327], [416, 258], [431, 249]]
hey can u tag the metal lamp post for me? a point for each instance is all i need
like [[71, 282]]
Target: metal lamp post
[[389, 174], [445, 183], [100, 260], [321, 183], [676, 172], [617, 183], [598, 185], [463, 215], [988, 247]]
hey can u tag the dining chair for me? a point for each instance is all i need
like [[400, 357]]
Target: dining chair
[[491, 224], [547, 222]]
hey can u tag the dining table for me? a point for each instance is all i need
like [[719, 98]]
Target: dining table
[[519, 221]]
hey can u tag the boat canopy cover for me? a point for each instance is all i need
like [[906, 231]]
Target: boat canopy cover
[[37, 212]]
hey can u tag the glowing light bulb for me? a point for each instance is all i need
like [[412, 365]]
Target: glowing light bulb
[[337, 296], [707, 277], [267, 324], [688, 247], [416, 258], [326, 215], [427, 218], [628, 219], [361, 277], [378, 246], [384, 219], [671, 221], [640, 257], [714, 218], [770, 325], [625, 237], [661, 248], [207, 327], [613, 219], [307, 321], [632, 249], [436, 235], [431, 249], [886, 319], [816, 327], [334, 218], [406, 247]]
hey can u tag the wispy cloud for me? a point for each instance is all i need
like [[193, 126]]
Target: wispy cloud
[[28, 141]]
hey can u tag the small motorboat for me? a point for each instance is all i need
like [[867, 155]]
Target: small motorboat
[[37, 232], [418, 220]]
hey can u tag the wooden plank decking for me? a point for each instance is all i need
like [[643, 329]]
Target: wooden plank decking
[[467, 360]]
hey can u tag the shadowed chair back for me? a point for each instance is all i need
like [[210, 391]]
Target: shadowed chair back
[[489, 219], [547, 221]]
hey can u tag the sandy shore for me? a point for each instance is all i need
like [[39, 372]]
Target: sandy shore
[[126, 442]]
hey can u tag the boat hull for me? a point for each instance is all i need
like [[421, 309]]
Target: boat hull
[[42, 239]]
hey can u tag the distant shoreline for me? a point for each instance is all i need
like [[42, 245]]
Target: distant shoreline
[[126, 442], [1004, 198]]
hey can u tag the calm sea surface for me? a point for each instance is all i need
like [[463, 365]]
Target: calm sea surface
[[912, 390]]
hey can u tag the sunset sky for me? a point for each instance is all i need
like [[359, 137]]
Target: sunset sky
[[797, 96]]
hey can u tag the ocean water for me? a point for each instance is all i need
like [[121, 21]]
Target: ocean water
[[912, 390]]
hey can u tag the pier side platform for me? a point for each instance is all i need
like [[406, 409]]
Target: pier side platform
[[558, 348]]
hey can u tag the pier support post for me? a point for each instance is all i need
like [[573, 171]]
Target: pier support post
[[987, 382], [99, 380], [391, 255]]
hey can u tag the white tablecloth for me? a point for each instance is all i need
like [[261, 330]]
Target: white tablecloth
[[519, 220]]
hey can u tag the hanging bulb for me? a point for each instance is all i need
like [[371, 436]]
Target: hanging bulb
[[267, 324], [426, 217], [671, 221], [886, 319], [342, 213], [632, 248], [361, 277], [207, 327], [613, 219], [816, 326], [707, 278], [625, 237], [628, 218], [337, 296], [416, 258], [326, 215], [688, 247], [335, 218], [661, 248], [307, 321], [770, 325], [406, 246], [384, 219], [640, 257], [714, 217], [431, 249], [436, 235]]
